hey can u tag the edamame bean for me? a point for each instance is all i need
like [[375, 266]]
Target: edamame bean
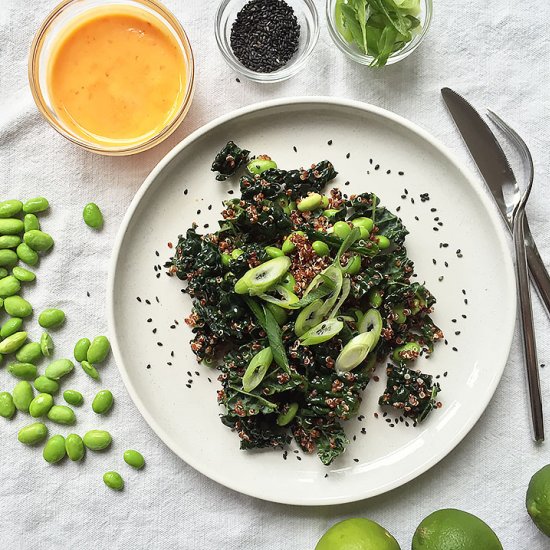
[[17, 306], [81, 349], [134, 459], [90, 370], [73, 397], [406, 352], [288, 246], [320, 248], [41, 405], [27, 255], [74, 447], [8, 258], [12, 343], [33, 434], [260, 165], [22, 396], [341, 229], [113, 480], [51, 318], [37, 204], [399, 312], [3, 272], [382, 241], [10, 241], [9, 286], [367, 223], [23, 274], [10, 208], [330, 213], [24, 371], [11, 226], [46, 344], [61, 414], [226, 259], [99, 349], [11, 326], [273, 251], [311, 202], [38, 240], [103, 401], [7, 407], [59, 368], [375, 298], [92, 216], [353, 266], [288, 415], [30, 221], [97, 440], [54, 450], [324, 201], [45, 385], [29, 353], [236, 253]]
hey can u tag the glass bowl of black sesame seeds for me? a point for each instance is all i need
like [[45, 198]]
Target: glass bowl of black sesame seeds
[[424, 19], [267, 40]]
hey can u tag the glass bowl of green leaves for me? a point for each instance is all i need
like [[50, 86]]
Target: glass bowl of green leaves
[[378, 32]]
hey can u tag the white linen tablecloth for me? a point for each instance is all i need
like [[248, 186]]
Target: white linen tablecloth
[[495, 52]]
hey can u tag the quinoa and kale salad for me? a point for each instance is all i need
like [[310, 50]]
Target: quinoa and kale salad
[[297, 297]]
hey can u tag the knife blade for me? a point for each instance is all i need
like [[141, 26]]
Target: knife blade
[[497, 174], [483, 146]]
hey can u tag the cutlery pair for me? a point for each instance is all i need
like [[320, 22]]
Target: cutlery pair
[[495, 169]]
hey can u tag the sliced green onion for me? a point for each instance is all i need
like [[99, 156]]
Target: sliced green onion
[[257, 369], [288, 298], [263, 277], [346, 287], [308, 317], [371, 322], [355, 352], [322, 332]]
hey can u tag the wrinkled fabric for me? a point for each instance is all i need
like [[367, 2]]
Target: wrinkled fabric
[[494, 52]]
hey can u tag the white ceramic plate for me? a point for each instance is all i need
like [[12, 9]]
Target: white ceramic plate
[[381, 145]]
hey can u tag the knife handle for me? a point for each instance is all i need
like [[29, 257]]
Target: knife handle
[[527, 327], [538, 270]]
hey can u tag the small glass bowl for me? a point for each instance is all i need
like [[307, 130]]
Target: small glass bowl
[[353, 52], [42, 48], [308, 19]]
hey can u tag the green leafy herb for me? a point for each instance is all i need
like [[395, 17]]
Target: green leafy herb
[[378, 27]]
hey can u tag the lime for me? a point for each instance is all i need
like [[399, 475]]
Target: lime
[[538, 499], [454, 530], [357, 534]]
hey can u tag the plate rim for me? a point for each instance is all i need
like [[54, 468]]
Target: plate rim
[[478, 188]]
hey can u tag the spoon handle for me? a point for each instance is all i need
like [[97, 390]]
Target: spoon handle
[[527, 326]]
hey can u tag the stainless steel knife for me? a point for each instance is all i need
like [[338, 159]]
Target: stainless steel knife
[[495, 169]]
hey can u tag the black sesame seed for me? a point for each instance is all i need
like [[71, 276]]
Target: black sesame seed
[[294, 147], [157, 275], [148, 302], [185, 191], [230, 192], [346, 183], [377, 167], [149, 320], [154, 331], [265, 35], [88, 294], [138, 298], [401, 173], [355, 460], [148, 366], [348, 155], [237, 80], [160, 344], [329, 142], [188, 385], [445, 374]]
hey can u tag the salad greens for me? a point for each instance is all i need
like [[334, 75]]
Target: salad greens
[[378, 27], [296, 334]]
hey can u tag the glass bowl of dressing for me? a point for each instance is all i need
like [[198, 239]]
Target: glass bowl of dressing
[[113, 76]]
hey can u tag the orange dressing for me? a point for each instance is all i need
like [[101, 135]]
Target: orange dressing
[[117, 78]]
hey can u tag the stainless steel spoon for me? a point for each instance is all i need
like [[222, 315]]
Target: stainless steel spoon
[[524, 289]]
